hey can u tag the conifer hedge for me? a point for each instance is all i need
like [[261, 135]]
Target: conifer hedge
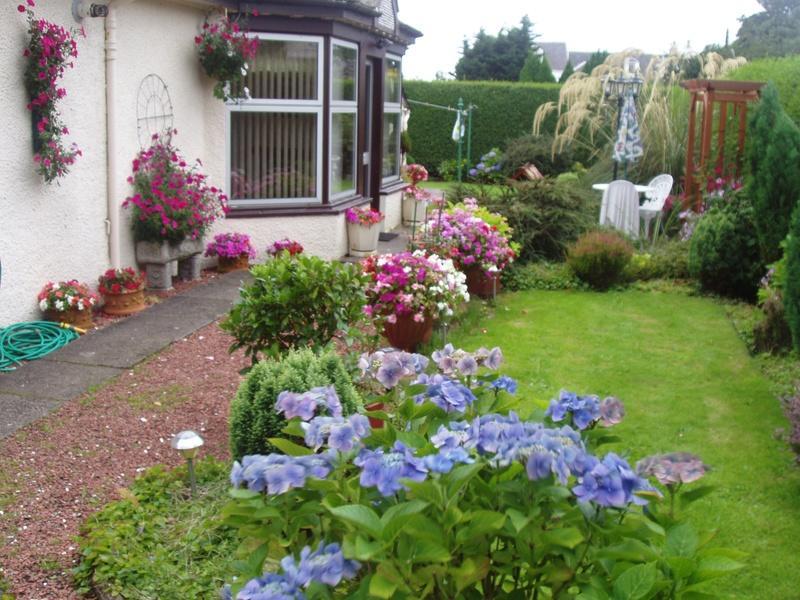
[[505, 111]]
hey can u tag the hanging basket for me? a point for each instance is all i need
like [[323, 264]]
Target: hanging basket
[[407, 334], [482, 284], [227, 264], [124, 303], [73, 316]]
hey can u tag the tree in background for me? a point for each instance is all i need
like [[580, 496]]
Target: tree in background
[[791, 284], [499, 57], [595, 60], [537, 68], [773, 32], [568, 70], [773, 154]]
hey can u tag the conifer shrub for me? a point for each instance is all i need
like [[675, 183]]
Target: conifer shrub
[[253, 419], [599, 258], [724, 254], [791, 283], [773, 154]]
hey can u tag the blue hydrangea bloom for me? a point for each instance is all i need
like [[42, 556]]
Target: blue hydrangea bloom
[[277, 473], [305, 405], [338, 433], [325, 565], [446, 393], [385, 469], [444, 460], [611, 483], [270, 587], [584, 410], [505, 383]]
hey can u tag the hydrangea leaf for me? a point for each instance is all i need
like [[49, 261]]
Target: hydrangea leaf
[[635, 583]]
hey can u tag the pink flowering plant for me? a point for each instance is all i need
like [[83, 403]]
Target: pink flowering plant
[[285, 245], [416, 174], [365, 217], [231, 245], [65, 295], [461, 235], [224, 51], [51, 49], [120, 281], [172, 200], [418, 284]]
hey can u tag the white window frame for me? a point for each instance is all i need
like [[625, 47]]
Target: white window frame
[[344, 107], [394, 108], [280, 106]]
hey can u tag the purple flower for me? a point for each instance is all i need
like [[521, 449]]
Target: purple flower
[[270, 587], [277, 473], [337, 432], [674, 468], [444, 460], [389, 367], [467, 365], [456, 436], [505, 383], [384, 470], [325, 565], [305, 405], [612, 483], [584, 410], [611, 412], [447, 394]]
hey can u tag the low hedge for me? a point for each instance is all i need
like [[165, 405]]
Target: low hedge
[[783, 72], [505, 111]]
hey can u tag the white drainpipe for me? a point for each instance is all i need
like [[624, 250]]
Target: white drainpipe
[[112, 185]]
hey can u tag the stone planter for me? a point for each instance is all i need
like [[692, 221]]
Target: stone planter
[[158, 256], [363, 240], [414, 211], [79, 318], [407, 334], [125, 303], [226, 264], [482, 284]]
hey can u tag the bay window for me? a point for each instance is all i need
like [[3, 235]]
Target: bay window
[[344, 118], [392, 118], [275, 139]]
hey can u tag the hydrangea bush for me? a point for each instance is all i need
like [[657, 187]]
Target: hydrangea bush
[[458, 496], [172, 200], [51, 49], [490, 168], [418, 284]]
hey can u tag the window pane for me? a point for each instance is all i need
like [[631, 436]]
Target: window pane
[[391, 144], [284, 70], [273, 155], [391, 84], [345, 67], [343, 144]]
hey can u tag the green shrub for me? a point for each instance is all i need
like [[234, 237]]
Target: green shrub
[[538, 150], [156, 542], [724, 254], [773, 154], [448, 169], [791, 279], [505, 111], [783, 73], [546, 215], [599, 258], [540, 276], [772, 334], [667, 260], [295, 302], [253, 419]]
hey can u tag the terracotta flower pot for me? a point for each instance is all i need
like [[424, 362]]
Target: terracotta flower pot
[[375, 423], [73, 316], [124, 303], [482, 284], [406, 333], [238, 263]]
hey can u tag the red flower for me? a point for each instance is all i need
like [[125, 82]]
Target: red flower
[[21, 8]]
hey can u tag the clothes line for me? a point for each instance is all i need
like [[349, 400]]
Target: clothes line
[[439, 106]]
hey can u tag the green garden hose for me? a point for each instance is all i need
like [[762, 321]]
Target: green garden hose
[[29, 341]]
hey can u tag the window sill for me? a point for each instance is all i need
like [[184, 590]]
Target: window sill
[[337, 207], [390, 187]]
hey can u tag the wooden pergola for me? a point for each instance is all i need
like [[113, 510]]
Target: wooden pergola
[[707, 93]]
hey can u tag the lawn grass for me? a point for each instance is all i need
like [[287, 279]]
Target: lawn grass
[[688, 384]]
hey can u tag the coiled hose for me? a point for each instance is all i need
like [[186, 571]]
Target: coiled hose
[[32, 340]]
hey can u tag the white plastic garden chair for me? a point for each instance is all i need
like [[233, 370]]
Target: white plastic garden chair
[[620, 208], [652, 208]]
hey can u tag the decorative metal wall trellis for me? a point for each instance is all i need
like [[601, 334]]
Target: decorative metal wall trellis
[[154, 114]]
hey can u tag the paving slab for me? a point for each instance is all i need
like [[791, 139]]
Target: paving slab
[[52, 380], [18, 411]]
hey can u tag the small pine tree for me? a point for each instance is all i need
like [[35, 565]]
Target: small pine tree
[[536, 68], [568, 70], [773, 154], [791, 285]]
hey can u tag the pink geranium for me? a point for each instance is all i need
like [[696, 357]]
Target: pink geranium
[[363, 216], [231, 245]]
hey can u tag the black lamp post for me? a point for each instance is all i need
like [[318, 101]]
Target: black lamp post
[[628, 84]]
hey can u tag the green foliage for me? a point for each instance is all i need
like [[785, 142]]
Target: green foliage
[[253, 419], [773, 32], [791, 289], [595, 60], [157, 542], [448, 169], [497, 57], [667, 260], [538, 150], [772, 333], [295, 302], [505, 112], [540, 276], [599, 258], [546, 216], [536, 69], [567, 72], [783, 73], [724, 254], [773, 154]]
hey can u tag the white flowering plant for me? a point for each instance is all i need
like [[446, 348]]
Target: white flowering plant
[[65, 295]]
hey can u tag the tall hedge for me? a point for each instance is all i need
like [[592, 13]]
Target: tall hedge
[[773, 154], [784, 73], [505, 111], [791, 286]]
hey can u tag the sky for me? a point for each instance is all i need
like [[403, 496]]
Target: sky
[[585, 25]]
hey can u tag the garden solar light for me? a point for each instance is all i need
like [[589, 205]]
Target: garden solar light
[[188, 444]]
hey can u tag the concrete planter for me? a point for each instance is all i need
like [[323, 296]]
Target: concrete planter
[[158, 256], [363, 240], [414, 211]]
